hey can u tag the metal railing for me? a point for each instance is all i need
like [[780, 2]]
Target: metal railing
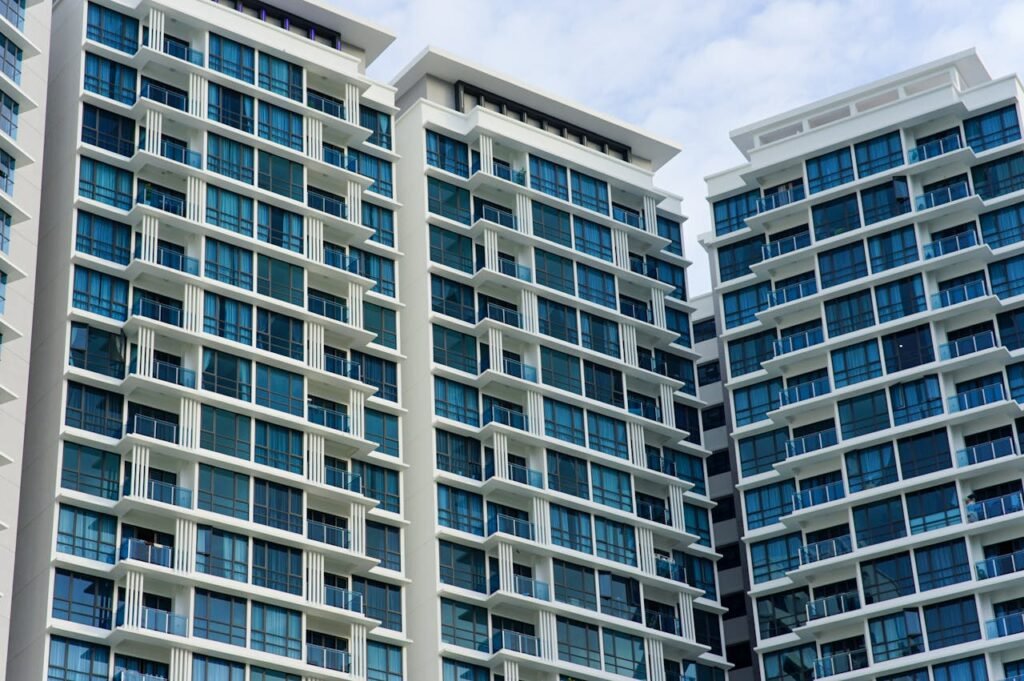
[[968, 345], [950, 244], [822, 494], [157, 620], [797, 341], [977, 397], [516, 642], [788, 294], [923, 152], [164, 95], [506, 524], [154, 428], [836, 604], [503, 315], [942, 196], [774, 249], [959, 294], [328, 534], [780, 199], [336, 597], [805, 391], [825, 549], [986, 451], [155, 198], [144, 551], [328, 658], [840, 663], [997, 566], [812, 442], [334, 419], [505, 416], [505, 218], [994, 508]]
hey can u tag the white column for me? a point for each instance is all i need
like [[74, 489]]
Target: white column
[[357, 413], [620, 248], [650, 214], [144, 351], [192, 308], [181, 664], [524, 214], [314, 584], [675, 501], [668, 412], [487, 154], [198, 92], [637, 444], [190, 423], [156, 29], [354, 200], [195, 205], [314, 345], [154, 122], [645, 550], [357, 528], [184, 545], [139, 457], [535, 412], [352, 103], [314, 229], [316, 469], [314, 134]]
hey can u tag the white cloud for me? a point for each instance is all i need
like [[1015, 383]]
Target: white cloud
[[692, 70]]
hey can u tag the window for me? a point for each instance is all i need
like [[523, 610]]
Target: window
[[554, 271], [452, 299], [563, 421], [384, 542], [886, 200], [1006, 276], [571, 529], [455, 349], [589, 192], [992, 129], [227, 374], [112, 28], [222, 554], [679, 322], [280, 176], [383, 322], [704, 329], [232, 58], [280, 76], [709, 373], [279, 279], [999, 177], [942, 564], [870, 467], [280, 227], [381, 601], [213, 669], [843, 264], [96, 350], [281, 126], [377, 121], [380, 220], [915, 400], [924, 453], [229, 210], [599, 334], [829, 170], [456, 401], [95, 410], [280, 334], [219, 617], [742, 306], [448, 201], [849, 313], [100, 237], [568, 474], [378, 268], [551, 224], [611, 487], [83, 599], [747, 353], [771, 559], [110, 79], [557, 320], [712, 417], [887, 578], [464, 625], [835, 217], [260, 674], [578, 642], [379, 483], [72, 660], [279, 389], [108, 130], [933, 508], [856, 363], [624, 654], [734, 260], [87, 534], [951, 622], [227, 318], [383, 429], [731, 213], [863, 414], [228, 106], [878, 154], [1004, 226], [223, 491], [277, 505], [456, 251], [781, 613], [91, 470], [447, 154], [758, 453], [380, 373], [971, 669], [276, 630], [96, 180], [896, 635], [560, 370], [593, 239], [892, 249], [790, 664], [462, 566], [463, 671], [229, 158], [596, 286], [377, 170], [574, 584], [908, 348], [549, 178], [670, 229], [752, 403], [460, 510], [879, 522], [766, 505]]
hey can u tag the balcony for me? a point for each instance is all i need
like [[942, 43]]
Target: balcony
[[978, 397], [343, 367], [514, 368], [809, 443], [145, 552], [343, 479], [328, 658], [637, 310], [644, 408], [822, 494], [941, 196], [780, 199], [669, 569], [175, 260], [325, 307], [515, 642], [328, 534], [524, 475], [840, 663], [660, 621], [655, 512], [997, 566], [343, 599], [509, 173], [339, 159], [774, 249], [325, 203], [994, 508], [164, 95], [959, 294], [805, 391], [986, 451], [148, 426], [511, 268], [923, 152], [128, 675], [788, 294], [967, 345], [166, 371], [506, 524], [328, 417], [503, 315], [325, 104], [180, 50], [157, 620], [1007, 625], [164, 492], [661, 464], [835, 604], [179, 152], [505, 416], [154, 197], [337, 258], [505, 218], [524, 586], [797, 341], [950, 244], [825, 549], [627, 216]]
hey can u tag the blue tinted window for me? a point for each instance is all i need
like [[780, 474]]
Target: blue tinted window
[[829, 170]]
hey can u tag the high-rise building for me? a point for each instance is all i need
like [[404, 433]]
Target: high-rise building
[[214, 482], [868, 275], [558, 504], [24, 53]]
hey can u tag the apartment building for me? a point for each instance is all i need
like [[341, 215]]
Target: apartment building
[[24, 52], [867, 264], [559, 502], [215, 486]]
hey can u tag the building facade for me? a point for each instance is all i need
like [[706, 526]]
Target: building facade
[[24, 54], [559, 499], [868, 277], [215, 491]]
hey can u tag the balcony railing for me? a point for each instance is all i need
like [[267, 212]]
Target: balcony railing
[[525, 475], [505, 218], [328, 534], [825, 549], [336, 597], [1007, 625], [822, 494], [343, 367], [511, 268], [959, 294], [780, 199], [942, 196], [836, 604], [669, 569], [335, 257], [812, 442], [997, 566], [644, 409], [950, 244], [328, 658], [326, 204], [986, 451], [168, 314], [164, 492], [840, 663], [181, 51], [968, 345], [515, 368], [994, 508], [516, 642], [788, 294], [155, 198], [335, 419], [978, 397], [524, 586], [164, 95], [166, 371], [129, 675], [805, 391], [628, 217], [343, 479], [637, 310], [660, 621], [180, 153], [797, 341], [141, 424], [157, 620], [331, 309], [923, 152], [509, 173], [774, 249], [505, 416], [145, 552], [654, 512], [503, 315], [325, 105], [506, 524]]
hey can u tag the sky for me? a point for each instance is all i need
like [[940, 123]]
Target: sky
[[692, 70]]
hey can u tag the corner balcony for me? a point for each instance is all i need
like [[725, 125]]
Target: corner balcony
[[160, 621], [950, 244], [774, 249], [816, 496], [655, 512], [643, 408], [959, 294], [145, 552], [637, 310], [967, 345], [835, 604], [1007, 625], [995, 508], [515, 642], [325, 104], [791, 293], [941, 196], [506, 524], [511, 268], [326, 307], [986, 451], [798, 341], [840, 663], [329, 417], [341, 366], [325, 202], [780, 199], [933, 149], [805, 391], [979, 397], [523, 586], [997, 566], [164, 95], [825, 549], [172, 259], [161, 199], [512, 367], [181, 50], [812, 442]]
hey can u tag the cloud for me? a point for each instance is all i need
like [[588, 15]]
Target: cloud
[[692, 70]]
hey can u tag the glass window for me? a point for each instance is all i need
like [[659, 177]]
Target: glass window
[[835, 217], [383, 322], [377, 121], [908, 348], [578, 642], [548, 177], [223, 491], [766, 505], [108, 130], [779, 614], [790, 664], [829, 170], [379, 483], [384, 543], [730, 214], [915, 400], [900, 298], [452, 299], [96, 350], [464, 625], [887, 578], [870, 467], [232, 58], [279, 389], [563, 421], [924, 453], [607, 434], [1007, 277], [91, 470], [456, 401], [747, 353], [222, 554], [574, 584], [843, 264], [999, 177], [98, 181], [560, 370], [73, 660], [760, 452], [456, 251], [593, 239], [878, 154], [1003, 226], [856, 363], [95, 410], [277, 505], [280, 76], [752, 403], [863, 414], [112, 28], [281, 126], [229, 158], [933, 508], [455, 349], [942, 564], [589, 192], [83, 599], [99, 236], [110, 79], [462, 566], [227, 318], [599, 334], [448, 201], [228, 106], [551, 224], [879, 522], [992, 129], [742, 306], [554, 271], [886, 200], [849, 313], [276, 630], [219, 617], [383, 662], [896, 635], [571, 528], [951, 622], [227, 374], [380, 601], [460, 510], [624, 654], [281, 176], [596, 285], [611, 487], [971, 669], [771, 559]]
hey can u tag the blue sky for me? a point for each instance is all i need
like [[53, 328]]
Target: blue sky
[[691, 70]]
